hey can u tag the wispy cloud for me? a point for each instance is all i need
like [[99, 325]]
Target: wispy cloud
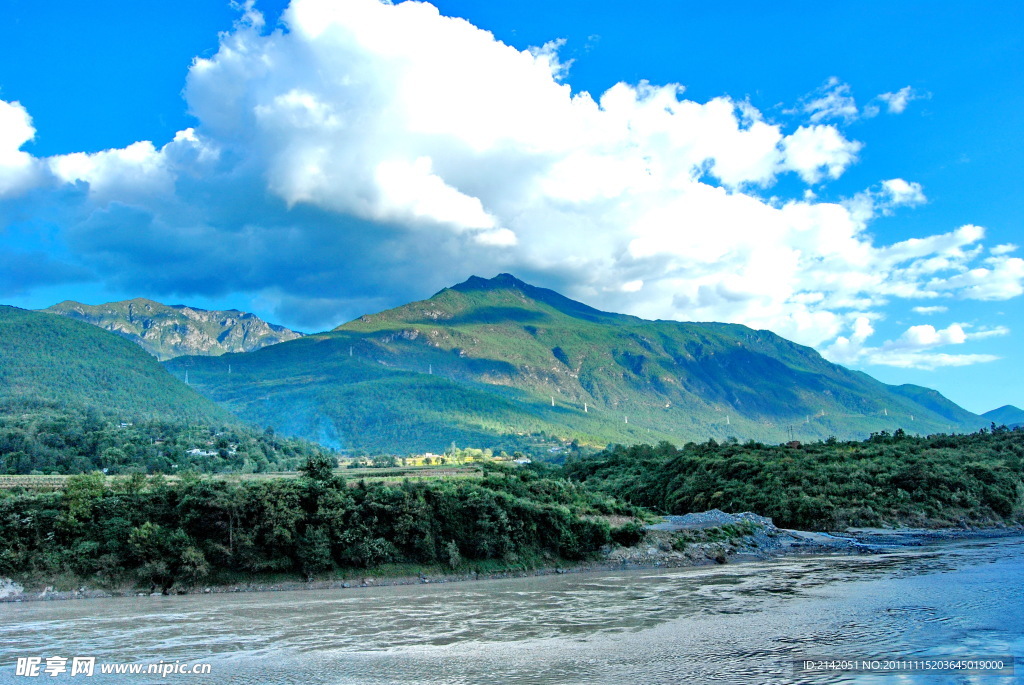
[[833, 101], [896, 102]]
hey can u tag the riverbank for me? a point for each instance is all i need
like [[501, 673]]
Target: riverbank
[[702, 539]]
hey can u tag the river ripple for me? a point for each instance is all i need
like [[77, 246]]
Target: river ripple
[[733, 623]]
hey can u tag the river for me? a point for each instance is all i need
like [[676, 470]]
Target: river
[[737, 623]]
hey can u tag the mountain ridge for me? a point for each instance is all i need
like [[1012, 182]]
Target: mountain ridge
[[498, 362]]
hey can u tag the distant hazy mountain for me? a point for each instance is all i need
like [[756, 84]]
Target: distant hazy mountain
[[1008, 415], [50, 358], [499, 362], [168, 331]]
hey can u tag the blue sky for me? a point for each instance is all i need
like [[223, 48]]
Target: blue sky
[[845, 175]]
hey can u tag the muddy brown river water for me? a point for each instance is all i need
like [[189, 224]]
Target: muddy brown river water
[[738, 623]]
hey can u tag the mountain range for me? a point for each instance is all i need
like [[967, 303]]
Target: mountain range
[[501, 363], [168, 331]]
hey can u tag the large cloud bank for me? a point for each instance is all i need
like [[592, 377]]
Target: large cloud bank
[[368, 151]]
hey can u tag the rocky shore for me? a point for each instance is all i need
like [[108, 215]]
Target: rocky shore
[[711, 537]]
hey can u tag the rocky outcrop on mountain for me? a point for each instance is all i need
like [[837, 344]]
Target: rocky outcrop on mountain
[[168, 331]]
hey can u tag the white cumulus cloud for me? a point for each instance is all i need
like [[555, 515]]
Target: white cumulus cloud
[[369, 152], [18, 170]]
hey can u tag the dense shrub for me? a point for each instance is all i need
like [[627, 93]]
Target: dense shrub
[[629, 534], [164, 535], [889, 478]]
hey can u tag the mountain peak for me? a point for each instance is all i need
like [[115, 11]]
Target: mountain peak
[[1007, 414], [506, 281], [137, 300], [500, 282]]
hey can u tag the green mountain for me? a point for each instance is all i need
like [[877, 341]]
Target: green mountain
[[168, 331], [52, 359], [501, 363], [935, 401], [1007, 415]]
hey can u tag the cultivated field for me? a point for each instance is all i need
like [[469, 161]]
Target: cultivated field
[[391, 475]]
